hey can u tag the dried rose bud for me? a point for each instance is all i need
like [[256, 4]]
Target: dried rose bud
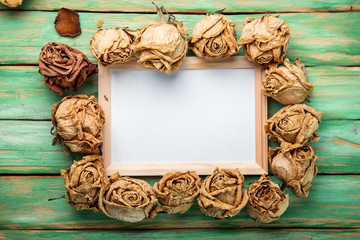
[[78, 121], [11, 3], [293, 126], [265, 40], [83, 181], [287, 84], [296, 168], [221, 194], [64, 67], [128, 199], [266, 201], [214, 36], [161, 46], [67, 23], [177, 191], [112, 45]]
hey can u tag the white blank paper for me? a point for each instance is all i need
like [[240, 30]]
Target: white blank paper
[[190, 116]]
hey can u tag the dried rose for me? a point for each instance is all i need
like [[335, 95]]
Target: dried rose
[[221, 194], [128, 199], [214, 36], [83, 181], [78, 121], [296, 168], [112, 45], [265, 40], [67, 23], [293, 126], [161, 46], [177, 191], [64, 67], [266, 201], [11, 3], [287, 84]]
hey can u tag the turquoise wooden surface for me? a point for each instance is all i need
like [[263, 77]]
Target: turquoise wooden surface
[[324, 34]]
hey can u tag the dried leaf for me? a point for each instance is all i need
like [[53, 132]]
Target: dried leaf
[[83, 181], [128, 199], [287, 84], [67, 23], [266, 201], [78, 121], [177, 191], [295, 167], [221, 194], [112, 45], [214, 36], [293, 126], [100, 23], [64, 67]]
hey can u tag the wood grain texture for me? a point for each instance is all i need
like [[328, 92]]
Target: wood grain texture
[[333, 202], [25, 147], [209, 234], [232, 6], [23, 94], [315, 39]]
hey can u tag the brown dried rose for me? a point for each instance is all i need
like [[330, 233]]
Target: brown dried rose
[[11, 3], [296, 168], [265, 40], [67, 23], [112, 45], [293, 126], [221, 194], [214, 36], [287, 84], [83, 181], [266, 201], [78, 121], [177, 191], [128, 199], [64, 67], [161, 46]]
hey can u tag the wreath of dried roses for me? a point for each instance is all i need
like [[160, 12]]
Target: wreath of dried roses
[[78, 120]]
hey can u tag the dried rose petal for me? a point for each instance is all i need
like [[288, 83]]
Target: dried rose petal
[[67, 22]]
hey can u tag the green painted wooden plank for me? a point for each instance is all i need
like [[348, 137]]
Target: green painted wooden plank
[[25, 148], [314, 39], [208, 234], [191, 6], [333, 203], [23, 94]]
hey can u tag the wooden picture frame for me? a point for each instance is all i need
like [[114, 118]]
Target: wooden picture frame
[[260, 166]]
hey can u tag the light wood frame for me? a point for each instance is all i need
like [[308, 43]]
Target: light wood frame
[[152, 169]]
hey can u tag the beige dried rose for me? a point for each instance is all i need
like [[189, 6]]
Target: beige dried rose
[[265, 40], [266, 201], [83, 181], [11, 3], [177, 191], [161, 46], [78, 121], [287, 84], [112, 45], [221, 194], [214, 36], [128, 199], [296, 168], [293, 126]]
